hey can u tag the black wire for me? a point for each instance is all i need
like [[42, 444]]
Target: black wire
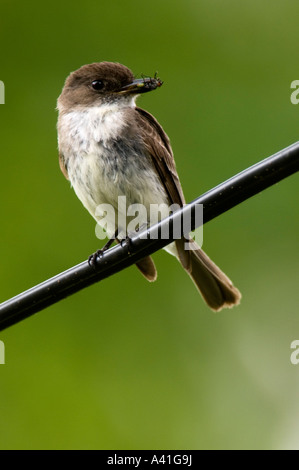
[[215, 202]]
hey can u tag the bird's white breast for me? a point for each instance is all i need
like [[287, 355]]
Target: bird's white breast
[[101, 164], [92, 125]]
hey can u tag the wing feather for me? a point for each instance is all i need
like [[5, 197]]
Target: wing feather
[[159, 148]]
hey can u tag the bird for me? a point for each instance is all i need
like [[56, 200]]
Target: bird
[[111, 148]]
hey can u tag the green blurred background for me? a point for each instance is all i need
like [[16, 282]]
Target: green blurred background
[[126, 364]]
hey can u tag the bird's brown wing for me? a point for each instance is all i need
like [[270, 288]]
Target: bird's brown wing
[[215, 287], [159, 148]]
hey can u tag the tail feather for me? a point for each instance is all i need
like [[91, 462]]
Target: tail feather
[[215, 287], [147, 267]]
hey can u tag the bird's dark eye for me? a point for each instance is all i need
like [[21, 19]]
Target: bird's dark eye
[[97, 85]]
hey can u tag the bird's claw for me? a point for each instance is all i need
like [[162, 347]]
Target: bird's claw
[[92, 259]]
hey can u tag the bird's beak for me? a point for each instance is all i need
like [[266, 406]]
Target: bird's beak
[[141, 85]]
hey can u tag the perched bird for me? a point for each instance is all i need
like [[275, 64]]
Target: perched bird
[[109, 147]]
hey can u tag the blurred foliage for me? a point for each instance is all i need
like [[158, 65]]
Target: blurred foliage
[[126, 364]]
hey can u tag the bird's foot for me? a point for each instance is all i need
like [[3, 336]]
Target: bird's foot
[[92, 259]]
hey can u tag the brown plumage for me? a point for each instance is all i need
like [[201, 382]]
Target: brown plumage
[[215, 287], [110, 88]]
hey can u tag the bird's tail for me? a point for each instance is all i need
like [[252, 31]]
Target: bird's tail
[[215, 287], [147, 267]]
